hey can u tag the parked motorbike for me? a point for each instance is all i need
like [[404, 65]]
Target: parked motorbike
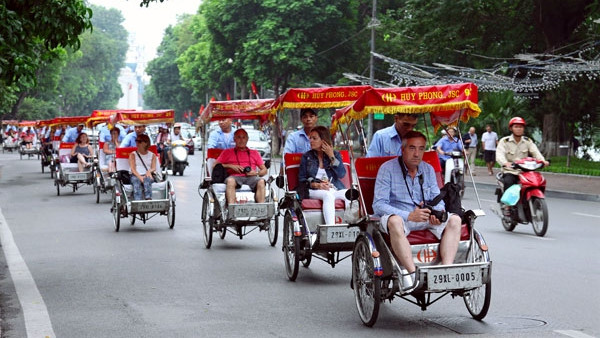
[[531, 206], [454, 173], [179, 150]]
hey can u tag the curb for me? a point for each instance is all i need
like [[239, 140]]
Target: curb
[[550, 193]]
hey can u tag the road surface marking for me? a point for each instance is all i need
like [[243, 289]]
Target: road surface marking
[[573, 333], [587, 215], [35, 313], [484, 200]]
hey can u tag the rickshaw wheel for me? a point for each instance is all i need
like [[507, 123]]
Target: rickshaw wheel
[[51, 172], [273, 231], [132, 219], [367, 286], [171, 213], [222, 232], [97, 190], [116, 213], [539, 216], [74, 187], [306, 261], [291, 245], [42, 168], [207, 221], [478, 300], [57, 188]]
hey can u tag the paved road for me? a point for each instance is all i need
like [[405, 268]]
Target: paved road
[[149, 281]]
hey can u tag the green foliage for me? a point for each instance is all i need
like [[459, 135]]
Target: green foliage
[[29, 31], [498, 108], [559, 165]]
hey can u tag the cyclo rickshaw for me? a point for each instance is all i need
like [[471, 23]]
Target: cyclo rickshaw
[[376, 274], [104, 181], [46, 154], [10, 142], [305, 234], [34, 149], [163, 192], [246, 215], [65, 172]]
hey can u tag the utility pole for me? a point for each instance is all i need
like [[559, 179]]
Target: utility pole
[[373, 24]]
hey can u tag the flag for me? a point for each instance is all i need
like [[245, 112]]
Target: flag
[[212, 99], [201, 110], [254, 89], [227, 97]]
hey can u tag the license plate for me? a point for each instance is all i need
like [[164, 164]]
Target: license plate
[[453, 278], [78, 177], [341, 234], [147, 206], [250, 210]]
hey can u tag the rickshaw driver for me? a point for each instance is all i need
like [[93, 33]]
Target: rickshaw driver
[[72, 133], [402, 187], [244, 166], [388, 141], [129, 140], [298, 141], [105, 133], [222, 138]]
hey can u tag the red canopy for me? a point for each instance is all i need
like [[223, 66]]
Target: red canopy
[[324, 97], [133, 117], [102, 116], [238, 109], [44, 123], [27, 123], [68, 120], [446, 103]]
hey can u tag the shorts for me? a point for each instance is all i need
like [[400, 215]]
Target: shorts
[[489, 155], [250, 181], [436, 230]]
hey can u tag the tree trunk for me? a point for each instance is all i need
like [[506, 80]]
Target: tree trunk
[[550, 136]]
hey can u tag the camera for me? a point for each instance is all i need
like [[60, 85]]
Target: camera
[[247, 170], [442, 216]]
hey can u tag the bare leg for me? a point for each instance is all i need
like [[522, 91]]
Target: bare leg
[[260, 191], [400, 244], [450, 238], [230, 190], [81, 162]]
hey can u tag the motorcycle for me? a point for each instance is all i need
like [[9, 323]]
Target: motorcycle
[[179, 150], [455, 171], [531, 206]]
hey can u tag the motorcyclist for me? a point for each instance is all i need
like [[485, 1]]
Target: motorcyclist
[[446, 145], [163, 143], [515, 147]]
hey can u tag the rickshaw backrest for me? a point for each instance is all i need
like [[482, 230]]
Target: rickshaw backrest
[[122, 156], [367, 168], [292, 168], [64, 151]]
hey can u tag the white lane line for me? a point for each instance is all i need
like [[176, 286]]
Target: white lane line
[[35, 313], [573, 333], [484, 200], [587, 215]]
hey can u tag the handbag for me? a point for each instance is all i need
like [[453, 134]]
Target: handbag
[[155, 176], [124, 176], [219, 173]]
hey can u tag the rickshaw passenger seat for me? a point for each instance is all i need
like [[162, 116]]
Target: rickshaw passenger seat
[[211, 158], [366, 170], [292, 168]]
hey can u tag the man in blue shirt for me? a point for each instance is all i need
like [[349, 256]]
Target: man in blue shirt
[[72, 133], [298, 142], [104, 133], [129, 140], [388, 141], [222, 138], [403, 186]]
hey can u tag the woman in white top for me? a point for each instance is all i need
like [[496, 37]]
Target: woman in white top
[[143, 164]]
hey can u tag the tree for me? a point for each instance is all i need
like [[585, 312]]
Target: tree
[[30, 31], [166, 87]]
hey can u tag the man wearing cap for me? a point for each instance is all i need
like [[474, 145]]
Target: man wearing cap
[[298, 141], [129, 140], [72, 133], [222, 138], [104, 133], [244, 166], [388, 141]]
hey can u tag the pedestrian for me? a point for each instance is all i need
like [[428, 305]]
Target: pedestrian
[[489, 141], [470, 142]]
